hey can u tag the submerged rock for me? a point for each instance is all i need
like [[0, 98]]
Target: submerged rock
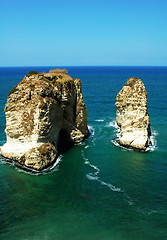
[[45, 115], [132, 116]]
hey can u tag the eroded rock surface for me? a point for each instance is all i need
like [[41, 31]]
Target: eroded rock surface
[[132, 116], [45, 114]]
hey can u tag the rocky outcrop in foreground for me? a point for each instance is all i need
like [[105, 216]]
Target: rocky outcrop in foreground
[[45, 115], [132, 116]]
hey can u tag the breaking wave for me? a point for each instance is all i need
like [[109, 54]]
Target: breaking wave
[[91, 130], [113, 124], [151, 147], [153, 140]]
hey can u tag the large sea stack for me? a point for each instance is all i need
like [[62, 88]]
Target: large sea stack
[[45, 114], [132, 116]]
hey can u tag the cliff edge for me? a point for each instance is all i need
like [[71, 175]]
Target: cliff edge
[[132, 116], [45, 114]]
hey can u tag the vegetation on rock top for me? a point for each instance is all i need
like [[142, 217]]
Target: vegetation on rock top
[[31, 73], [13, 90]]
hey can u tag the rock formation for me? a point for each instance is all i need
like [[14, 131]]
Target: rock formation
[[132, 116], [45, 114]]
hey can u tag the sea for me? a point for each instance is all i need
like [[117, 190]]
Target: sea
[[97, 190]]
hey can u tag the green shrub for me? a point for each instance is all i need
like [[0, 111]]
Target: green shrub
[[13, 90], [45, 79], [55, 78], [60, 76], [31, 73]]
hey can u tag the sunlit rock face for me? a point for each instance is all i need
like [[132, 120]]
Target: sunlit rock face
[[45, 114], [132, 116]]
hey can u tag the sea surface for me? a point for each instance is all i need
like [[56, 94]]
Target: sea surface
[[98, 190]]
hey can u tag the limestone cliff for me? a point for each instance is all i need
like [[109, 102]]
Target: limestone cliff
[[45, 114], [132, 116]]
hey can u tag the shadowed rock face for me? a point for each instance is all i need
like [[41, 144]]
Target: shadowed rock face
[[45, 115], [132, 116]]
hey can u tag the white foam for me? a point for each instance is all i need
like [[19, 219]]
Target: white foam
[[91, 130], [153, 140], [114, 141], [99, 120], [113, 188], [55, 165], [130, 203], [94, 177], [51, 169], [86, 161], [148, 211], [113, 124], [92, 166], [151, 147], [91, 177]]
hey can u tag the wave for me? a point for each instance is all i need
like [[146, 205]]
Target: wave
[[113, 188], [94, 177], [151, 147], [115, 142], [153, 144], [92, 166], [99, 120], [91, 130], [86, 147], [50, 169], [91, 177], [113, 124], [54, 167], [147, 211]]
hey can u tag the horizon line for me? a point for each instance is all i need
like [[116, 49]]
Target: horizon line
[[86, 66]]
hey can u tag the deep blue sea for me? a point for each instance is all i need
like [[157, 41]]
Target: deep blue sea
[[98, 190]]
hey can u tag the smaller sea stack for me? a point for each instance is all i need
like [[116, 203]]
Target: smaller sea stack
[[132, 116]]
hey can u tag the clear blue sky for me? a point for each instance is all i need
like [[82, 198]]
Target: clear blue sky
[[83, 32]]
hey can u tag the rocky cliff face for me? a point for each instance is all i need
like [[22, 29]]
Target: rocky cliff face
[[132, 116], [45, 114]]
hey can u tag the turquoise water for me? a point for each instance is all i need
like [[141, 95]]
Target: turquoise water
[[98, 190]]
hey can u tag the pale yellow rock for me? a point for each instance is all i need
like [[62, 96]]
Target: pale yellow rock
[[42, 108], [132, 116]]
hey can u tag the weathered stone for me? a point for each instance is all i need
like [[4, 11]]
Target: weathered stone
[[132, 116], [43, 107]]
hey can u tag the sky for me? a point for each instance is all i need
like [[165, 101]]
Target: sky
[[83, 33]]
